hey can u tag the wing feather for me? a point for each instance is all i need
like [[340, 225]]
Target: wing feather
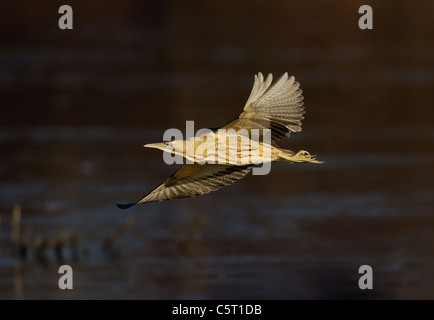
[[194, 179], [277, 106]]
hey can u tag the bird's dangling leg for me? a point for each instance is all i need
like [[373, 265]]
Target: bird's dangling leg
[[301, 156]]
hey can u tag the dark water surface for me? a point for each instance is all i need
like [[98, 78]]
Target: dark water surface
[[77, 106]]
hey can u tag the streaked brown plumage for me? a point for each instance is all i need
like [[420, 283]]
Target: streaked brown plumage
[[278, 107]]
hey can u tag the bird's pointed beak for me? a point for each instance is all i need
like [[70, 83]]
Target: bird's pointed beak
[[160, 145]]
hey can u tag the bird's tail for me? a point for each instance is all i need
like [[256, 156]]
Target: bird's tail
[[301, 156]]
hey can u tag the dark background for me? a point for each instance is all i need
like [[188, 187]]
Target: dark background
[[77, 105]]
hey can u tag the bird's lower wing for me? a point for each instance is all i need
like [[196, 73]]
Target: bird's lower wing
[[277, 106], [193, 180]]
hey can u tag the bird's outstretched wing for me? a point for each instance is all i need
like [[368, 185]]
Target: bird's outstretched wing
[[193, 180], [277, 106]]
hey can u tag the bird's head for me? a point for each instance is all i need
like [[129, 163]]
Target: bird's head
[[167, 146], [161, 145]]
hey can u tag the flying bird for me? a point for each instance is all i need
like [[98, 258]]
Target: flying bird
[[274, 108]]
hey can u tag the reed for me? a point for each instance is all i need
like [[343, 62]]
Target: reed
[[109, 241], [15, 226]]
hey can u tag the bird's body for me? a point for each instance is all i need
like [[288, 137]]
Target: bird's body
[[234, 148], [219, 158]]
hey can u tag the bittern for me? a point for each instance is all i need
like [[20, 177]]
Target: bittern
[[274, 108]]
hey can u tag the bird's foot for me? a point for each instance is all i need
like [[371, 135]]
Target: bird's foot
[[304, 156]]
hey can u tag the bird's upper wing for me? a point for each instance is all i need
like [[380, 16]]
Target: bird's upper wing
[[192, 180], [278, 107]]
